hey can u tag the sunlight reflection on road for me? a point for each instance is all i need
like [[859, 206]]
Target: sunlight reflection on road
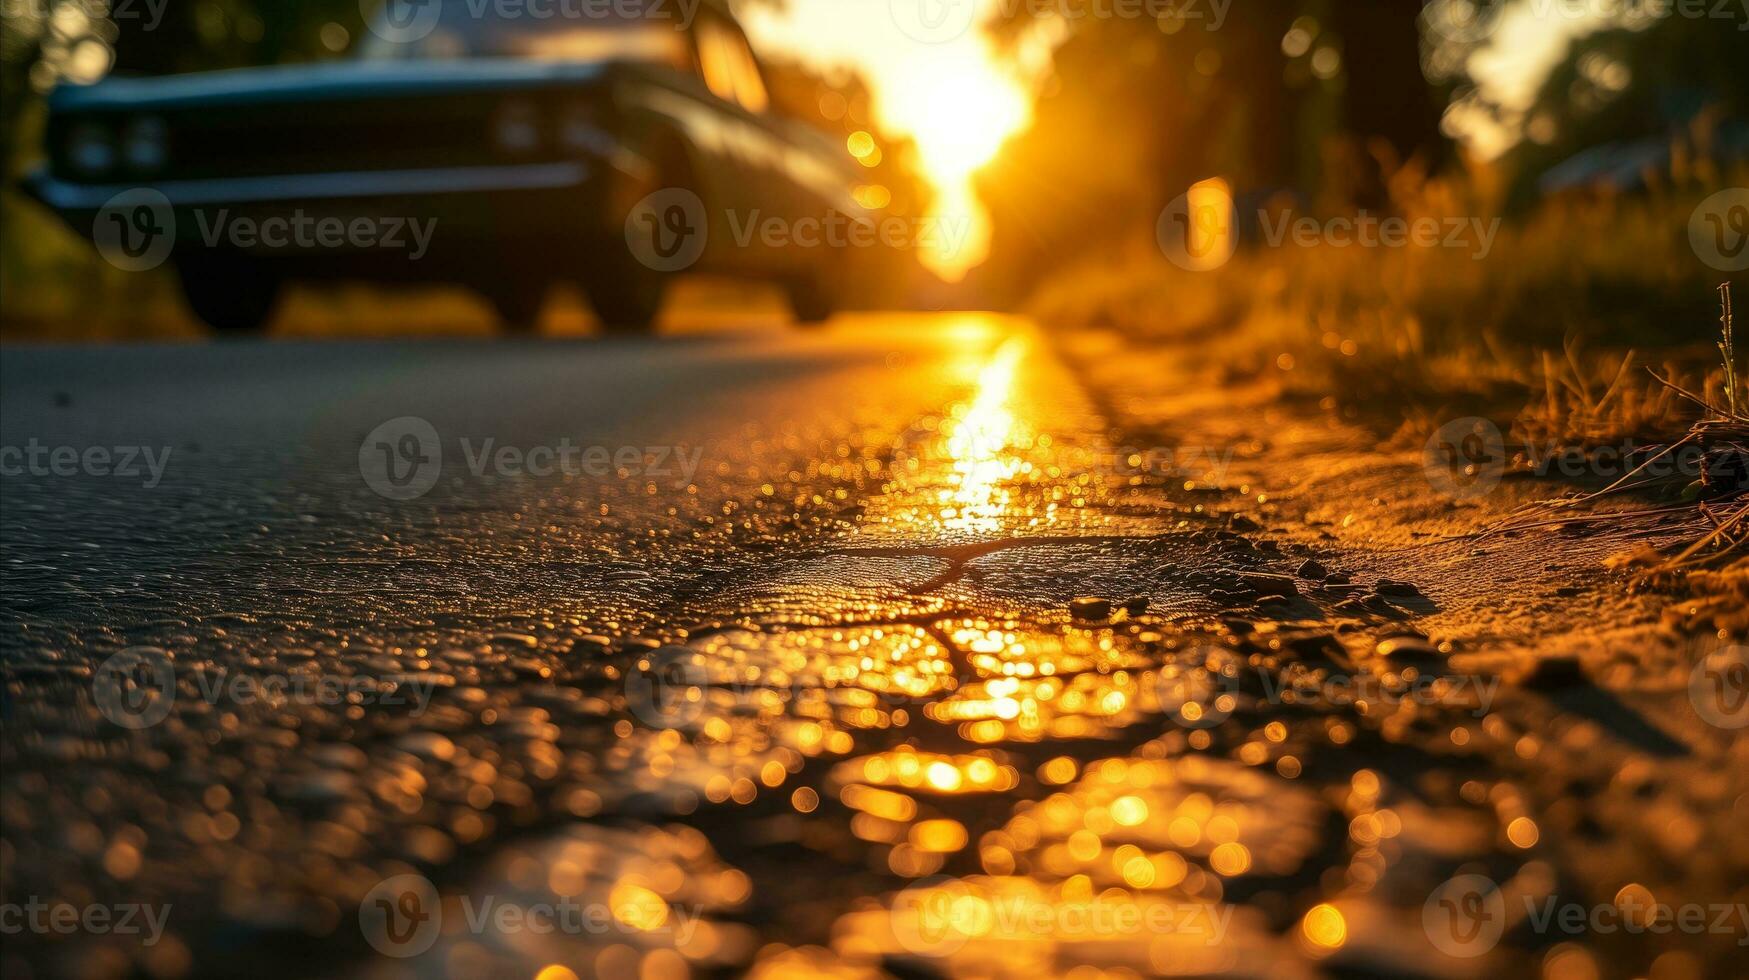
[[979, 445]]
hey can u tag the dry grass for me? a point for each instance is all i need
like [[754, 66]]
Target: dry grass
[[1714, 559], [1582, 328], [1547, 332]]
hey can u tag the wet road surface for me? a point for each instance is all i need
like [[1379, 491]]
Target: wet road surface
[[858, 653]]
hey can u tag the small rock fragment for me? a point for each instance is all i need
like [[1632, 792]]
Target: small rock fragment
[[1242, 523], [1090, 607], [1136, 605], [1550, 673], [1269, 583], [1312, 568], [1408, 649], [1392, 587]]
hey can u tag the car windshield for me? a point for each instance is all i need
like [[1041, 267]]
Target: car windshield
[[447, 29]]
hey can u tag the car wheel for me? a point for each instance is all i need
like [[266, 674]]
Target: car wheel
[[628, 302], [518, 304], [813, 299], [230, 293]]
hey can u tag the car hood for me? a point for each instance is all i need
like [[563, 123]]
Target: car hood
[[319, 82]]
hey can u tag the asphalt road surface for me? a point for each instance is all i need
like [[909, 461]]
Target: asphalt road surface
[[810, 654]]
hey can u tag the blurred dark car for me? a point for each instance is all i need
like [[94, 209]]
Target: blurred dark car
[[609, 151]]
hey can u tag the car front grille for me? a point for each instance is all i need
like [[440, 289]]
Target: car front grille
[[331, 138]]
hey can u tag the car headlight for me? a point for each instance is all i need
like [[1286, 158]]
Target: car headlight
[[145, 144], [516, 128], [91, 149]]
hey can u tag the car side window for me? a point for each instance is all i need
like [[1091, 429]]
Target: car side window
[[730, 69], [713, 60]]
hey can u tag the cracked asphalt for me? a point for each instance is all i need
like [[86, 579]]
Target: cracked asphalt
[[878, 651]]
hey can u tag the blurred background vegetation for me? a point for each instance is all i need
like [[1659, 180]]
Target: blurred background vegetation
[[1594, 160]]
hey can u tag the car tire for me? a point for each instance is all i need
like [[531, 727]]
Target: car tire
[[629, 301], [813, 298], [230, 293], [518, 304]]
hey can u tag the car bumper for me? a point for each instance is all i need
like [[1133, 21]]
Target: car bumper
[[467, 201]]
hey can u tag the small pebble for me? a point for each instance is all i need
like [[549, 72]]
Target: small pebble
[[1407, 648], [1090, 607], [1268, 583], [1550, 674]]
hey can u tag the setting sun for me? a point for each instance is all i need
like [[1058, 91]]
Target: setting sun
[[959, 99]]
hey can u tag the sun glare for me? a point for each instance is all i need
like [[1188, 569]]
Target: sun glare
[[958, 99]]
